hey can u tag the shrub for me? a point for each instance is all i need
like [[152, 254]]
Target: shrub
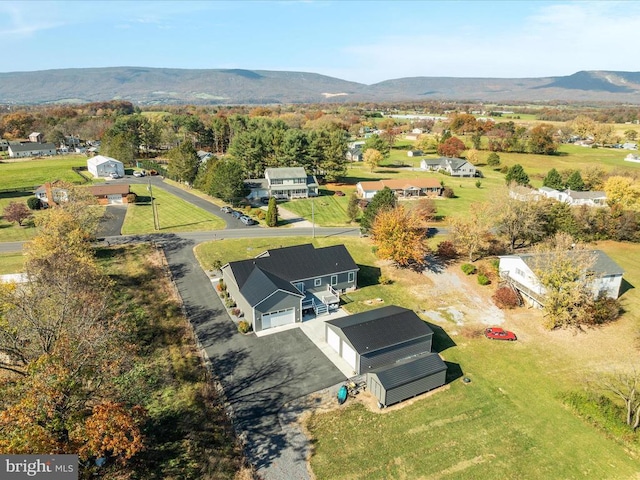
[[34, 203], [236, 312], [221, 286], [506, 298], [447, 249], [230, 303], [504, 169], [248, 209], [384, 280], [478, 184], [483, 279], [468, 269], [261, 214], [244, 326], [447, 192], [132, 197], [603, 310]]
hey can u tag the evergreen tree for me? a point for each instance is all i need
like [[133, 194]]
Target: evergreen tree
[[517, 174], [493, 160], [352, 207], [272, 213], [553, 180], [227, 180], [382, 200], [575, 182], [183, 162]]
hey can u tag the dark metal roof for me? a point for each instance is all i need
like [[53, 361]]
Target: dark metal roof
[[409, 370], [381, 328], [260, 284], [296, 263], [31, 147]]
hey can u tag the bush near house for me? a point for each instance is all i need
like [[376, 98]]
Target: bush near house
[[34, 203], [244, 326], [468, 269], [483, 279], [506, 298]]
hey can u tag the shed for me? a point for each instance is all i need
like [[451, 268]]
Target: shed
[[406, 379], [379, 337]]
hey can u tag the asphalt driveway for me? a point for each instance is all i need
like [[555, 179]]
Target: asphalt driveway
[[259, 375], [111, 222]]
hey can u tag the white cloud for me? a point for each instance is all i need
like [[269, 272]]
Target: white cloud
[[559, 39], [21, 19]]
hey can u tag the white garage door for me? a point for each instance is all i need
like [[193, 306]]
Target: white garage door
[[113, 199], [276, 319], [349, 354], [333, 340]]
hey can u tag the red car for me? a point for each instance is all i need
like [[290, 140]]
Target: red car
[[497, 333]]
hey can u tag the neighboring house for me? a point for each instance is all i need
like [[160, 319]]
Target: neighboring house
[[36, 137], [630, 146], [403, 188], [518, 270], [412, 136], [277, 286], [108, 194], [632, 158], [354, 154], [31, 150], [112, 194], [101, 166], [392, 346], [456, 167], [522, 193], [414, 153], [71, 141], [574, 198], [290, 182]]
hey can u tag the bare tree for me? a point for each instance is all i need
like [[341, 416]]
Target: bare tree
[[626, 386]]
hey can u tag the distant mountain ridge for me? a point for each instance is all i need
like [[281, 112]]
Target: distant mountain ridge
[[150, 86]]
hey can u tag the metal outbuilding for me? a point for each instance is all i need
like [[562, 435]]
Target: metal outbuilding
[[406, 379]]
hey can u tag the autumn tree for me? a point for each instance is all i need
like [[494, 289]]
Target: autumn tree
[[399, 236], [516, 174], [372, 158], [594, 177], [383, 200], [472, 156], [583, 126], [452, 147], [622, 193], [603, 134], [520, 223], [561, 267], [626, 386], [631, 135], [541, 140], [16, 212], [426, 210], [470, 233]]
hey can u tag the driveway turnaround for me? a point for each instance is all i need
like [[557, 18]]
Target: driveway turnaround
[[259, 375]]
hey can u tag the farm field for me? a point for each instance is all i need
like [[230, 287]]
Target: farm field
[[175, 214], [30, 173]]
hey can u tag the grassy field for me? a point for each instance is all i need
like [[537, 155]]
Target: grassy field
[[175, 214], [11, 263], [329, 210], [509, 422], [28, 173], [9, 231]]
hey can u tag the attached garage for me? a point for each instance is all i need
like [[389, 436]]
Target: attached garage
[[279, 318], [115, 199], [110, 194], [406, 379]]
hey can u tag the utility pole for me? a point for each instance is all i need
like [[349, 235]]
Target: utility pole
[[313, 219], [154, 211]]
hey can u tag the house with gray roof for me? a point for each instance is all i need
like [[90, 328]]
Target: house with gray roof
[[605, 276], [22, 150], [280, 285], [290, 182], [392, 346], [456, 167], [574, 198]]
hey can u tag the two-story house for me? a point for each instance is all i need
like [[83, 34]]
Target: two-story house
[[290, 182], [277, 286]]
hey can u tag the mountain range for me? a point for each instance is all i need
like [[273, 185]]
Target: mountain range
[[149, 86]]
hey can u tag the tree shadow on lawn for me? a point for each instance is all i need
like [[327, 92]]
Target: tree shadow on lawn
[[435, 264]]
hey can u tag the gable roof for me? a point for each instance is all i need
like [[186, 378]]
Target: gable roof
[[409, 370], [285, 172], [381, 328], [591, 195], [604, 264], [100, 159], [111, 189], [260, 284], [31, 147], [296, 263]]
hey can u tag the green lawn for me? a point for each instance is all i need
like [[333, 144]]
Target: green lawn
[[329, 210], [175, 214], [30, 173], [9, 231], [11, 263]]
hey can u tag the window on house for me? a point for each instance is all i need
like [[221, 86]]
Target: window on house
[[352, 277], [317, 282], [334, 279]]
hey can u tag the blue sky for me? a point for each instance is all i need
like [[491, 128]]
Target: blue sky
[[362, 41]]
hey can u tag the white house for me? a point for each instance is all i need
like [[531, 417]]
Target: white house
[[456, 167], [591, 199], [101, 166], [518, 270], [31, 149]]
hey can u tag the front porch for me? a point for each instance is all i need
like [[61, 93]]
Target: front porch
[[321, 301]]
